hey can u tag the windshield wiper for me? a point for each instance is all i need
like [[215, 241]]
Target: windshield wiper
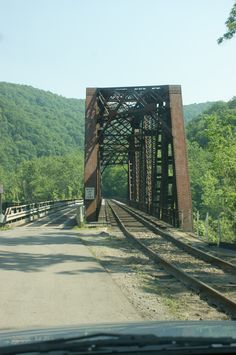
[[107, 341]]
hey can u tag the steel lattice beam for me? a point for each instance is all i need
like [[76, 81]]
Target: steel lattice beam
[[143, 128]]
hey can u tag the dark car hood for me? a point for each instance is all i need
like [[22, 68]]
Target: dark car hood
[[215, 329]]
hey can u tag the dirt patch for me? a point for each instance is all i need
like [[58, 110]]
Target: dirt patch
[[154, 293]]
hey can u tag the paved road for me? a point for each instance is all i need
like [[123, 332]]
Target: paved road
[[48, 277]]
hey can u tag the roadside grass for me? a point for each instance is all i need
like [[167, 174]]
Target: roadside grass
[[85, 226], [168, 300], [172, 304], [5, 228]]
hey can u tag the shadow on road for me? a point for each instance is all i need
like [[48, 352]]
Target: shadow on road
[[28, 262], [47, 238]]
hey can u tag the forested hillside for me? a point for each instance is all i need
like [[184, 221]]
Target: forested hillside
[[41, 145], [194, 110], [35, 123]]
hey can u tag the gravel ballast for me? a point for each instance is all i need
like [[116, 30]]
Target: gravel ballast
[[154, 293]]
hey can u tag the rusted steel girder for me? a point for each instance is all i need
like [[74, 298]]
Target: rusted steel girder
[[92, 176], [141, 127]]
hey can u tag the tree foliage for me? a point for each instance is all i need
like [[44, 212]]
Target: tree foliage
[[194, 110], [35, 123], [230, 26], [42, 135], [114, 182], [212, 162], [47, 178]]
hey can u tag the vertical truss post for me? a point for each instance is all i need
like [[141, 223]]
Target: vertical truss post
[[142, 171], [129, 192], [180, 157], [92, 193], [164, 179], [136, 170], [133, 166]]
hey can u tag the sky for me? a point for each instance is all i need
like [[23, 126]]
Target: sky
[[65, 46]]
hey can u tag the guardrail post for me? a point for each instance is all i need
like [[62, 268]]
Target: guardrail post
[[80, 215], [2, 218], [198, 223], [219, 231], [1, 214], [206, 225]]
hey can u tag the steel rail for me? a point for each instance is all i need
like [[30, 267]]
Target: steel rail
[[153, 226], [207, 292]]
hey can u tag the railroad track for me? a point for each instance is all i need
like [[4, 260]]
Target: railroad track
[[211, 277]]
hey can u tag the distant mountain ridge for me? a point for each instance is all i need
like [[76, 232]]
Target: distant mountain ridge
[[194, 110]]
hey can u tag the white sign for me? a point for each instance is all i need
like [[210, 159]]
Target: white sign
[[1, 189], [89, 193]]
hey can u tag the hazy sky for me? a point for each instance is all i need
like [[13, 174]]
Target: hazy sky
[[67, 45]]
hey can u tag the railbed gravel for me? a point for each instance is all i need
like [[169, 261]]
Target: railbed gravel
[[153, 292], [197, 268], [192, 239], [203, 271]]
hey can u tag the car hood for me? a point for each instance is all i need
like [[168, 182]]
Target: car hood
[[217, 329]]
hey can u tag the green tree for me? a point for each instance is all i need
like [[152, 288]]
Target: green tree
[[50, 178], [230, 25], [212, 163], [199, 164], [222, 146], [114, 182]]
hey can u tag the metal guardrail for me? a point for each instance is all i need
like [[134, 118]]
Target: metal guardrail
[[34, 210]]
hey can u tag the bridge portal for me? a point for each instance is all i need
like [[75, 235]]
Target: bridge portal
[[141, 127]]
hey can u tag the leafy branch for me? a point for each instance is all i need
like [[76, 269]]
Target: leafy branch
[[230, 24]]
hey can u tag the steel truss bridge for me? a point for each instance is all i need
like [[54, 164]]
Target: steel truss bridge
[[141, 127]]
